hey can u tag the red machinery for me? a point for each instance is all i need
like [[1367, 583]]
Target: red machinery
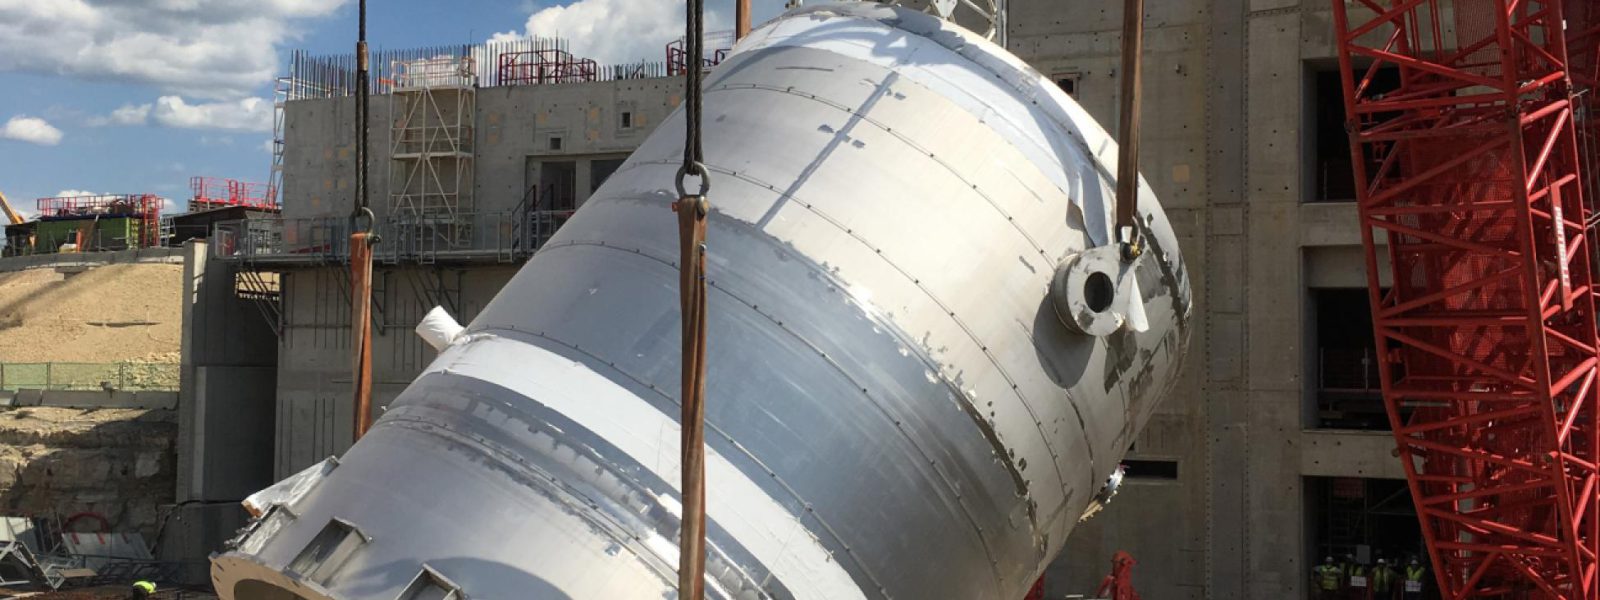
[[545, 66], [144, 207], [1118, 584], [1471, 170], [215, 192], [718, 45]]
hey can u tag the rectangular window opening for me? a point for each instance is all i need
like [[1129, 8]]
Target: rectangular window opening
[[1349, 391], [1150, 469], [1068, 82], [555, 142], [1333, 174], [627, 120]]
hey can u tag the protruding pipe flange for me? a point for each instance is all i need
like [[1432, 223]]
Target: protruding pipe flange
[[1090, 290]]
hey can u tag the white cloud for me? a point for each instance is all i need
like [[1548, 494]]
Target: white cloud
[[248, 114], [612, 31], [73, 194], [126, 115], [32, 130], [213, 49], [268, 146]]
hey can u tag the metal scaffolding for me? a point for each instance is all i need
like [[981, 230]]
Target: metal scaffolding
[[1487, 333], [544, 65], [216, 192], [433, 106]]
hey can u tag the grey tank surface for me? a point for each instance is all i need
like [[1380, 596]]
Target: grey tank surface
[[895, 408]]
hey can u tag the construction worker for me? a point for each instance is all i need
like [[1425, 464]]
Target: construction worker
[[1413, 583], [1355, 578], [142, 590], [1327, 579], [1383, 581]]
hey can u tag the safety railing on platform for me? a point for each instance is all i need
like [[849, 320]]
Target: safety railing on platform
[[333, 76], [501, 236], [118, 376]]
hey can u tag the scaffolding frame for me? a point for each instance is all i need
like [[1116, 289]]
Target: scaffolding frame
[[217, 192], [431, 167], [1471, 171], [720, 44], [545, 65]]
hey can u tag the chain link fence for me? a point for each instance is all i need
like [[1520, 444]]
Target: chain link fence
[[125, 376]]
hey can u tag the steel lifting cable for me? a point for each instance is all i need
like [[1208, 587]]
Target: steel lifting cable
[[692, 212], [693, 154], [362, 239]]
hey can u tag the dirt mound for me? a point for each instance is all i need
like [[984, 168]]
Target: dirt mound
[[111, 313]]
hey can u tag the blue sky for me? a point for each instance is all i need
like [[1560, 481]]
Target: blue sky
[[113, 96]]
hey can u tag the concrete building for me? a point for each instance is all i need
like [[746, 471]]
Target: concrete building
[[1269, 455]]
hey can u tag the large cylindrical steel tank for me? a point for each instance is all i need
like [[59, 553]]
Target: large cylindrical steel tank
[[895, 409]]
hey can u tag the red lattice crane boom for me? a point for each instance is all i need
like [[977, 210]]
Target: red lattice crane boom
[[1471, 172]]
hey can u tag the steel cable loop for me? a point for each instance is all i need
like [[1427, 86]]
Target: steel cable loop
[[694, 69]]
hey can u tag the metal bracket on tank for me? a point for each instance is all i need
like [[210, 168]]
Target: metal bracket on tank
[[1096, 292], [991, 15]]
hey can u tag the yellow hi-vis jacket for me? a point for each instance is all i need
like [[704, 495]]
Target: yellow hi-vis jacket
[[1329, 576]]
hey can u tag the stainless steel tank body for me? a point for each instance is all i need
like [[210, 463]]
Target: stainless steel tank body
[[896, 408]]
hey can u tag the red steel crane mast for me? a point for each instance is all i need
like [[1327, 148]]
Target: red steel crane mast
[[1471, 172]]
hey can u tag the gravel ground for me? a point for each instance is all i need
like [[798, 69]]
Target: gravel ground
[[112, 313]]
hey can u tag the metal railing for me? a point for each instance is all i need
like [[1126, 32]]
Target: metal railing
[[500, 236], [333, 76], [120, 376]]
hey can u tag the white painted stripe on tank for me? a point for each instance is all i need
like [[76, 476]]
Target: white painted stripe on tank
[[756, 521]]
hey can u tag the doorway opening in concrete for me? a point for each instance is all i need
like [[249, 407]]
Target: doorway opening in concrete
[[558, 185], [1347, 389], [1362, 518], [601, 169], [1332, 177]]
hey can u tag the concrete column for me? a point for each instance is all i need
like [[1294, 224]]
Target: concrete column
[[584, 172], [227, 386]]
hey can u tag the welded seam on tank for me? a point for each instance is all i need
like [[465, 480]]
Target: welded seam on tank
[[966, 403], [1019, 82], [532, 339], [532, 477], [768, 473], [972, 335], [1010, 220], [581, 441], [976, 189]]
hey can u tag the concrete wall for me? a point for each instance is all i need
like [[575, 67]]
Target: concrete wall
[[314, 410], [226, 393], [514, 126], [1224, 139]]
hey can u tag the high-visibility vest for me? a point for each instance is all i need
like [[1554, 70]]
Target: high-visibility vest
[[1414, 579], [1382, 578], [1328, 577], [1356, 575], [147, 587]]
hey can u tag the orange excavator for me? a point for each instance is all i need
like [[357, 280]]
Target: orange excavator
[[11, 213], [13, 217]]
